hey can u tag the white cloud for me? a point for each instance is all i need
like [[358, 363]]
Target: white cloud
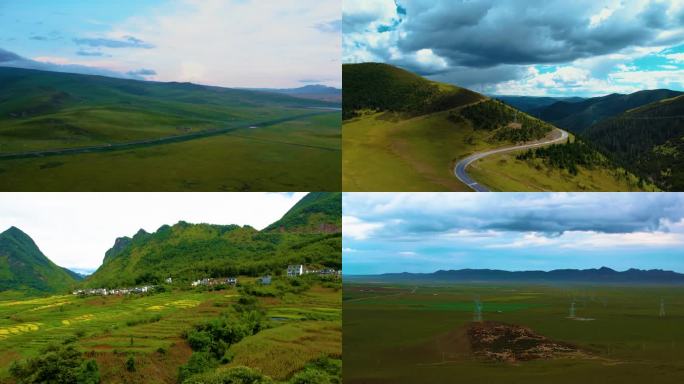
[[603, 15], [676, 57], [358, 229], [270, 43], [75, 229]]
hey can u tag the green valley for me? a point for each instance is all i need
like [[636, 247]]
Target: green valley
[[137, 135]]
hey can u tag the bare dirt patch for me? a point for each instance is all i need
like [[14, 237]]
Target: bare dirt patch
[[513, 343]]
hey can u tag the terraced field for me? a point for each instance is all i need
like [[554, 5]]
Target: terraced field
[[301, 328]]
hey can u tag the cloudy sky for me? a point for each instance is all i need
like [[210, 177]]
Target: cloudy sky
[[75, 230], [535, 47], [425, 232], [234, 43]]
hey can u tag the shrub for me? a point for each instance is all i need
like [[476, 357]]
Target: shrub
[[56, 364], [130, 364], [236, 375], [199, 362]]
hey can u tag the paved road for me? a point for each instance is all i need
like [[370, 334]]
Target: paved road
[[460, 169], [156, 141]]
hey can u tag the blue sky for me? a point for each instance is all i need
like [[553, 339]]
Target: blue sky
[[238, 43], [425, 232], [536, 48]]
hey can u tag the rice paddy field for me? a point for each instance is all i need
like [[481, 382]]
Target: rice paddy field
[[301, 328], [397, 333]]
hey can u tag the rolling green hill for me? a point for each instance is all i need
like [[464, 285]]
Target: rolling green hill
[[382, 87], [316, 212], [23, 267], [578, 116], [405, 133], [55, 110], [191, 251], [648, 140]]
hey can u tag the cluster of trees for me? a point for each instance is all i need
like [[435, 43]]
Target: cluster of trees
[[56, 364], [494, 115], [211, 341], [567, 156], [216, 252], [646, 142]]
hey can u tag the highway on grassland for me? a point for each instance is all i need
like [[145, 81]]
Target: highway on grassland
[[461, 166], [163, 140]]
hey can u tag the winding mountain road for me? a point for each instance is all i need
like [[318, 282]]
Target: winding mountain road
[[164, 140], [461, 166]]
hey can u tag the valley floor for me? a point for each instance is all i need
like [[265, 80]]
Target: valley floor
[[304, 153]]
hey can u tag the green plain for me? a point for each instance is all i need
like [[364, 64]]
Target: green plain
[[404, 337]]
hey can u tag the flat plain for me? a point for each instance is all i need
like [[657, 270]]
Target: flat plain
[[397, 333]]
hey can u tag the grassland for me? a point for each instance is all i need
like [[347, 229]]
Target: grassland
[[385, 153], [503, 172], [301, 155], [45, 111], [302, 327], [408, 334]]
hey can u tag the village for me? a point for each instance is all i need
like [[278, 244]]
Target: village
[[294, 270]]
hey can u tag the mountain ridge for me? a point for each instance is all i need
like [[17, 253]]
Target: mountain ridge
[[23, 266], [593, 275]]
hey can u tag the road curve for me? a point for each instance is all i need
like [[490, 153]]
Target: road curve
[[460, 169], [158, 141]]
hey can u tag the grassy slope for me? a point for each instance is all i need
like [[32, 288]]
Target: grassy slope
[[255, 159], [397, 151], [405, 155], [503, 172], [23, 266], [410, 338], [40, 110], [102, 328]]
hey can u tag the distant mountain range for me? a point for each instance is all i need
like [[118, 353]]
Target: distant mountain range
[[309, 233], [594, 276], [529, 104], [577, 116], [314, 91]]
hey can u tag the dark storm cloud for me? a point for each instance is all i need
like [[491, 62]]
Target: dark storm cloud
[[125, 42], [484, 33], [474, 77], [549, 214]]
